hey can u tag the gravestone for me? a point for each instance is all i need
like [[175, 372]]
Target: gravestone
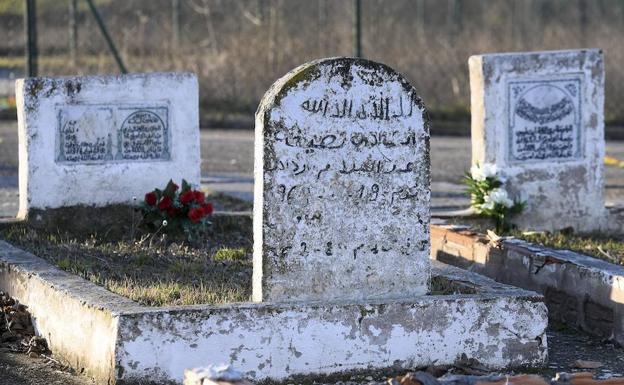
[[101, 140], [342, 179], [539, 117]]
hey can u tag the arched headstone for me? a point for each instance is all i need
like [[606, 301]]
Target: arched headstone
[[342, 185]]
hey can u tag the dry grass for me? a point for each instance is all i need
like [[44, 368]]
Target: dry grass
[[597, 245], [154, 272], [239, 48]]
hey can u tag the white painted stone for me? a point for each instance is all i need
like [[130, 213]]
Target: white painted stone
[[539, 117], [221, 374], [100, 140], [342, 181], [117, 340]]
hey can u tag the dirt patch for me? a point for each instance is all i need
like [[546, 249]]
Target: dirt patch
[[25, 357], [17, 333]]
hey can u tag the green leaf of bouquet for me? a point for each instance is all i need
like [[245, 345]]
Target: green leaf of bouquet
[[185, 186], [170, 189]]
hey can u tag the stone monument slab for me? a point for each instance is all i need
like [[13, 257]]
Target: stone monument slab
[[100, 140], [342, 181], [539, 117]]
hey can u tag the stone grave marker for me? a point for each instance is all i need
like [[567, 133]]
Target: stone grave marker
[[539, 117], [100, 140], [342, 181]]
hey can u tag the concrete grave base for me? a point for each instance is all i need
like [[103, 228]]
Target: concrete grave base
[[117, 341], [581, 291]]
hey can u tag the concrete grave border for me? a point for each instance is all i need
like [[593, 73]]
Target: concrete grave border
[[581, 291], [117, 341]]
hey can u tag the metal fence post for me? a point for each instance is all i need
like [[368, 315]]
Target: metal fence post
[[73, 32], [30, 25], [357, 27], [107, 37], [175, 23]]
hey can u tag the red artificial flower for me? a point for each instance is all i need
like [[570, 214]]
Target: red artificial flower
[[196, 214], [187, 197], [151, 198], [208, 208], [200, 197], [173, 212], [165, 203]]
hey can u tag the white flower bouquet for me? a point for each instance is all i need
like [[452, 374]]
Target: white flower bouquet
[[489, 198]]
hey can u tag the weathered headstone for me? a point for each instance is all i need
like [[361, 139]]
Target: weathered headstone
[[342, 190], [101, 140], [539, 117]]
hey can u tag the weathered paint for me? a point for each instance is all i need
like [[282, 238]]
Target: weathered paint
[[49, 179], [580, 290], [561, 191], [81, 330], [271, 341], [341, 185], [118, 341]]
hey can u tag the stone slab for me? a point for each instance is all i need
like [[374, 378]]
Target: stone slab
[[118, 341], [539, 116], [342, 185], [100, 140]]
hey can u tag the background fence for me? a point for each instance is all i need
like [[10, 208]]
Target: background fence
[[238, 48]]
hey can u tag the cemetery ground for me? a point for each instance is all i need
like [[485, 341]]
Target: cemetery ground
[[166, 274], [227, 167], [153, 271]]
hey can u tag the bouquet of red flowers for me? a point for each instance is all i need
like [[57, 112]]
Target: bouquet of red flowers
[[174, 209]]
